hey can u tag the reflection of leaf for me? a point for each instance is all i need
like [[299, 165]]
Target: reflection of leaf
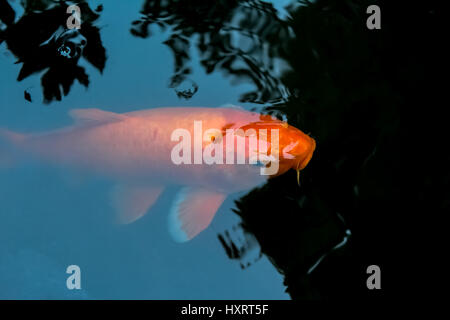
[[55, 79], [39, 62], [7, 14], [27, 96], [94, 52], [51, 46], [185, 88]]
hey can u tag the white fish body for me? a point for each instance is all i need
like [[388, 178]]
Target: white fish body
[[135, 150]]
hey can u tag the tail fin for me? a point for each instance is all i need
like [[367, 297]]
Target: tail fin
[[8, 142]]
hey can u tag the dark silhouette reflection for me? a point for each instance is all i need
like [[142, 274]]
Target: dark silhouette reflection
[[232, 36], [27, 96], [370, 98], [241, 245], [41, 40], [184, 88]]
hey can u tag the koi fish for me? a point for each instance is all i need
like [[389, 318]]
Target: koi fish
[[137, 150]]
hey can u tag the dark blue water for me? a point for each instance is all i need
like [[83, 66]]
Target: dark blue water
[[52, 218]]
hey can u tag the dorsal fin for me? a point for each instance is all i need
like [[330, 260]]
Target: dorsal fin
[[82, 116], [232, 106]]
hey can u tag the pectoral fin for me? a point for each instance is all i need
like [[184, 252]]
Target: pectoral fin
[[132, 202], [192, 212]]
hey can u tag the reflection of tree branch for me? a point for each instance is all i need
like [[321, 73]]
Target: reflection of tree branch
[[52, 46], [222, 29]]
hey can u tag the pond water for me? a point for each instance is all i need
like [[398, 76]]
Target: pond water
[[52, 218]]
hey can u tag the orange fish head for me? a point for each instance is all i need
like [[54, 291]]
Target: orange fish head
[[296, 150]]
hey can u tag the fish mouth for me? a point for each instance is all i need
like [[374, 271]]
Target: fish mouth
[[304, 162]]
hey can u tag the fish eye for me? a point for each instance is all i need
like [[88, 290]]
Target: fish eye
[[214, 138]]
